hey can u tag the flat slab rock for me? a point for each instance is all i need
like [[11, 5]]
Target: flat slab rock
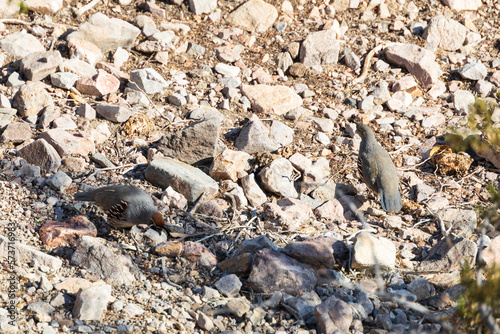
[[54, 233], [27, 254], [267, 99], [107, 33], [183, 178], [273, 271]]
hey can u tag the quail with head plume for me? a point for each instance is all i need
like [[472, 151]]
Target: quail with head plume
[[378, 170], [125, 206]]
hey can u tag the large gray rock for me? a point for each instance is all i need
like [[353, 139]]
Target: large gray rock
[[417, 60], [107, 33], [320, 48], [254, 137], [150, 81], [449, 254], [105, 259], [114, 113], [183, 178], [194, 143], [273, 271], [277, 177]]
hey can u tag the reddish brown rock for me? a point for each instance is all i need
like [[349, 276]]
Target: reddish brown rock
[[193, 251], [238, 264], [317, 252], [55, 233]]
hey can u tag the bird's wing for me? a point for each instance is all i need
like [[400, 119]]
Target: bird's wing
[[106, 198], [117, 211], [369, 170]]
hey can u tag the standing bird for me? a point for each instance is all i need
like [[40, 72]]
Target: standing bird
[[378, 170], [125, 206]]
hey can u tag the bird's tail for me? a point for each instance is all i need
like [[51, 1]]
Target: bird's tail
[[391, 201], [85, 196]]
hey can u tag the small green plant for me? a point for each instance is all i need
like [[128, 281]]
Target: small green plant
[[480, 300]]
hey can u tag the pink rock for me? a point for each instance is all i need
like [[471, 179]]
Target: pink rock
[[228, 54], [491, 254], [437, 89], [290, 213], [417, 60], [276, 100], [331, 210], [67, 143], [404, 83], [495, 78], [55, 233], [196, 252], [99, 85], [84, 50]]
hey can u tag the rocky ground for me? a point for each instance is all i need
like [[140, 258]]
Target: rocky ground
[[239, 119]]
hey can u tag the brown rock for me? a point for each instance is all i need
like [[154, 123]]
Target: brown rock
[[333, 314], [211, 209], [193, 251], [238, 265], [316, 252], [297, 70], [16, 133], [41, 154], [55, 233], [273, 271]]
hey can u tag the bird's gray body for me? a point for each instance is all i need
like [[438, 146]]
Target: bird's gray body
[[139, 206], [378, 170]]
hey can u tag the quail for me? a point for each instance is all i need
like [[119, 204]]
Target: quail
[[125, 206], [378, 170]]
